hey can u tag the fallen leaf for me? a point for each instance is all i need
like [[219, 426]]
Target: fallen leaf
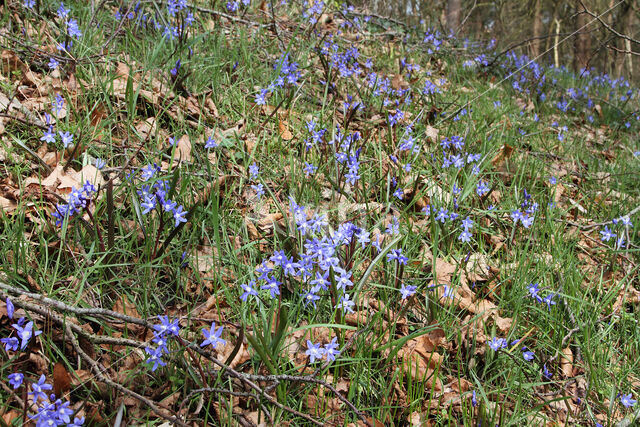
[[92, 174], [566, 362], [283, 130], [432, 133], [7, 206], [58, 178], [61, 380], [183, 149], [502, 156]]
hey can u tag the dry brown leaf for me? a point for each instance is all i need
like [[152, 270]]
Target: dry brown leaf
[[283, 130], [415, 365], [124, 306], [566, 362], [598, 109], [58, 178], [241, 357], [557, 192], [432, 133], [398, 82], [183, 149], [146, 128], [92, 174], [211, 107], [503, 155], [7, 206], [205, 256], [61, 380]]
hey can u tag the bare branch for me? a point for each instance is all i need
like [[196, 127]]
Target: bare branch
[[605, 25]]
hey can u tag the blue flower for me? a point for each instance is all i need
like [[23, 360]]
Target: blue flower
[[310, 297], [72, 28], [249, 289], [10, 344], [533, 289], [407, 291], [627, 401], [549, 300], [273, 286], [314, 351], [396, 254], [49, 136], [39, 388], [15, 380], [179, 215], [331, 349], [467, 224], [497, 343], [155, 358], [210, 143], [62, 12], [254, 170], [259, 189], [607, 234], [344, 280], [25, 333], [309, 169], [465, 236], [167, 327], [346, 304], [53, 64], [527, 354], [67, 138], [10, 308], [442, 215], [482, 188], [212, 336]]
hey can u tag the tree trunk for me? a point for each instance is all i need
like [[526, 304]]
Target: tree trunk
[[582, 45], [453, 15], [537, 29], [620, 25]]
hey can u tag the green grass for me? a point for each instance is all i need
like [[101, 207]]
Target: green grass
[[382, 371]]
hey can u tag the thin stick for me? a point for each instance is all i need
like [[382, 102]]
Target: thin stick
[[98, 372]]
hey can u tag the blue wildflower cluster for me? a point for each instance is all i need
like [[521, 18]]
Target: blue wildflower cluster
[[288, 75], [49, 134], [313, 12], [79, 199], [234, 5], [168, 330], [317, 270], [23, 330], [162, 333], [526, 214], [155, 196], [433, 40], [50, 411], [541, 82], [178, 19], [258, 187], [617, 231]]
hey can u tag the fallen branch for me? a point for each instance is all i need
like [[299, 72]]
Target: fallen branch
[[103, 313], [98, 372]]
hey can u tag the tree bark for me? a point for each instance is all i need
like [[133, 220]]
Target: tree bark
[[582, 45], [453, 15], [620, 25], [537, 29]]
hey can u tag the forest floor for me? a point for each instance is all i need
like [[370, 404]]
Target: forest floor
[[291, 214]]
